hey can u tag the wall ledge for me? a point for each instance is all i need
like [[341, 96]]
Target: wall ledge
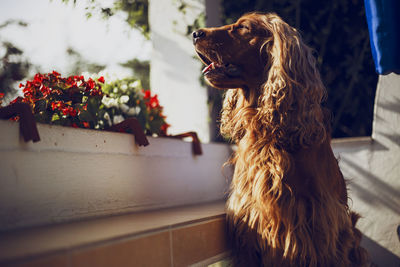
[[28, 244], [79, 174], [358, 140]]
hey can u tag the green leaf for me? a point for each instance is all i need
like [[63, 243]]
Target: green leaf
[[155, 125], [55, 117]]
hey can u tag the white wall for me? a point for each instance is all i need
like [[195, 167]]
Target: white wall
[[175, 74], [373, 169], [74, 174]]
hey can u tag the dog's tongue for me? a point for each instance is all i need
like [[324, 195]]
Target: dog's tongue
[[211, 66]]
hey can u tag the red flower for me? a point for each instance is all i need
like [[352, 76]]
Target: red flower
[[78, 78], [37, 80], [72, 112], [147, 94], [71, 81], [86, 124], [101, 79], [1, 95], [55, 73], [151, 101], [154, 102], [65, 111], [58, 105], [69, 111], [27, 90], [90, 83], [45, 90]]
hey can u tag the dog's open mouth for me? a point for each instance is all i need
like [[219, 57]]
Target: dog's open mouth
[[228, 69]]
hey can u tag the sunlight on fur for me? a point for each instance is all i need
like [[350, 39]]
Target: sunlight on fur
[[288, 201]]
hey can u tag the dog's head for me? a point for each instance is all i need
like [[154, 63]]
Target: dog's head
[[274, 74], [233, 53], [241, 55]]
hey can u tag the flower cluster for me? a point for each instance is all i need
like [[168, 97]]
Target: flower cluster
[[91, 103], [126, 98], [71, 101]]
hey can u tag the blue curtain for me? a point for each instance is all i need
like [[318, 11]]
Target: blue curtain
[[383, 17]]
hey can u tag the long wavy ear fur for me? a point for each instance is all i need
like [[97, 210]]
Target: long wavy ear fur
[[292, 95]]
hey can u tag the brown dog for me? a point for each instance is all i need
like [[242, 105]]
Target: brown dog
[[288, 202]]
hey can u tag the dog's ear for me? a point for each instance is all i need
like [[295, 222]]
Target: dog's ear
[[281, 54], [292, 94]]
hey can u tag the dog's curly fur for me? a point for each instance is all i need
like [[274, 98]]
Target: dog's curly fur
[[288, 201]]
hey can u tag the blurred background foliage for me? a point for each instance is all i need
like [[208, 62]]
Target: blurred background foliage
[[13, 65], [136, 12], [136, 15], [336, 29], [79, 64]]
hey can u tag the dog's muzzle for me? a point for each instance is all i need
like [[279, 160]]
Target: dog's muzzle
[[196, 35]]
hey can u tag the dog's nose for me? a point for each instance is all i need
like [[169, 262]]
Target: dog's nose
[[198, 34]]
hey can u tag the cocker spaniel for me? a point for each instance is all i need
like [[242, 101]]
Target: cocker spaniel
[[288, 200]]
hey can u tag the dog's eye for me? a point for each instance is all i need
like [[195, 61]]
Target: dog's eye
[[241, 26]]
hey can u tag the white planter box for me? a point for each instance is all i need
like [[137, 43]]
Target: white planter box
[[73, 174]]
